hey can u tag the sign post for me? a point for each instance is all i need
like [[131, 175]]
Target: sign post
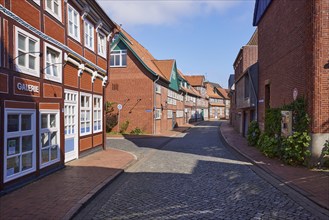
[[119, 108]]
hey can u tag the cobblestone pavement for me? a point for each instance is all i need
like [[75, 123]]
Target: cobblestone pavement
[[192, 177]]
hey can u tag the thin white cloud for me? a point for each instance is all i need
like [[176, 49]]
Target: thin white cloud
[[164, 12]]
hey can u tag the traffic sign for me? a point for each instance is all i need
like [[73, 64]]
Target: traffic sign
[[119, 106]]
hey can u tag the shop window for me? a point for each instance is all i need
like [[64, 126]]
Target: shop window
[[118, 58], [89, 35], [97, 113], [54, 8], [73, 23], [19, 142], [53, 63], [27, 51], [49, 138], [85, 114], [101, 45]]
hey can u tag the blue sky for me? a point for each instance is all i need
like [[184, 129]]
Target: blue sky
[[204, 37]]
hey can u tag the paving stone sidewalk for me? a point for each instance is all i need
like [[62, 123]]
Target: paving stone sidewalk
[[310, 183], [60, 195]]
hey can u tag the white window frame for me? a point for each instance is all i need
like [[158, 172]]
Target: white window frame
[[98, 109], [85, 109], [25, 69], [52, 11], [58, 64], [74, 12], [120, 55], [169, 114], [50, 130], [99, 44], [20, 134], [86, 27], [157, 114]]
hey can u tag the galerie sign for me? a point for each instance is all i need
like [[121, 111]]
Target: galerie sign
[[26, 87]]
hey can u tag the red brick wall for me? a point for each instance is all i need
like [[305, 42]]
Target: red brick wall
[[30, 13], [134, 92], [319, 93], [250, 56], [285, 52]]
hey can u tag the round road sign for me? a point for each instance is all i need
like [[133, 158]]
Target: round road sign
[[119, 106]]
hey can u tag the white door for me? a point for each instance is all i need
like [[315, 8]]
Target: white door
[[71, 125]]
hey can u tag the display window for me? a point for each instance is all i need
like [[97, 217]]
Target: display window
[[19, 142], [85, 114], [49, 137], [97, 113]]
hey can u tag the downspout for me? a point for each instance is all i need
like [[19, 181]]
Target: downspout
[[108, 59], [154, 103]]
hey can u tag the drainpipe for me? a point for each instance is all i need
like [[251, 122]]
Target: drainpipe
[[154, 105]]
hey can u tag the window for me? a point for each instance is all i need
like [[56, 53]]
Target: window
[[169, 113], [157, 88], [246, 87], [157, 114], [27, 50], [53, 63], [179, 114], [97, 113], [101, 45], [54, 8], [49, 137], [119, 58], [73, 23], [70, 112], [85, 114], [19, 142], [89, 35]]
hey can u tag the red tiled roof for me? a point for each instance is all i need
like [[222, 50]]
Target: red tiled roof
[[165, 66], [142, 53], [210, 91], [196, 80], [223, 92]]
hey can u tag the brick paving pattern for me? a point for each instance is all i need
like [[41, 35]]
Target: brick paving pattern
[[193, 177], [59, 195]]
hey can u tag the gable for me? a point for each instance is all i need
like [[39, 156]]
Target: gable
[[120, 46], [174, 82]]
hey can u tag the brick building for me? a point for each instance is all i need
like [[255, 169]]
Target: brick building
[[245, 86], [148, 89], [53, 72], [293, 48], [219, 102], [202, 102]]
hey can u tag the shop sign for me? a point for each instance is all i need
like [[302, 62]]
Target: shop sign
[[26, 87]]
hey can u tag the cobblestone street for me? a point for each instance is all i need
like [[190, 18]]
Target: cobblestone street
[[190, 177]]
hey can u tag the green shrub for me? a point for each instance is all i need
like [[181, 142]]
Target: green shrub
[[137, 131], [253, 133], [295, 148], [111, 121], [273, 122], [325, 155], [268, 145], [124, 126]]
